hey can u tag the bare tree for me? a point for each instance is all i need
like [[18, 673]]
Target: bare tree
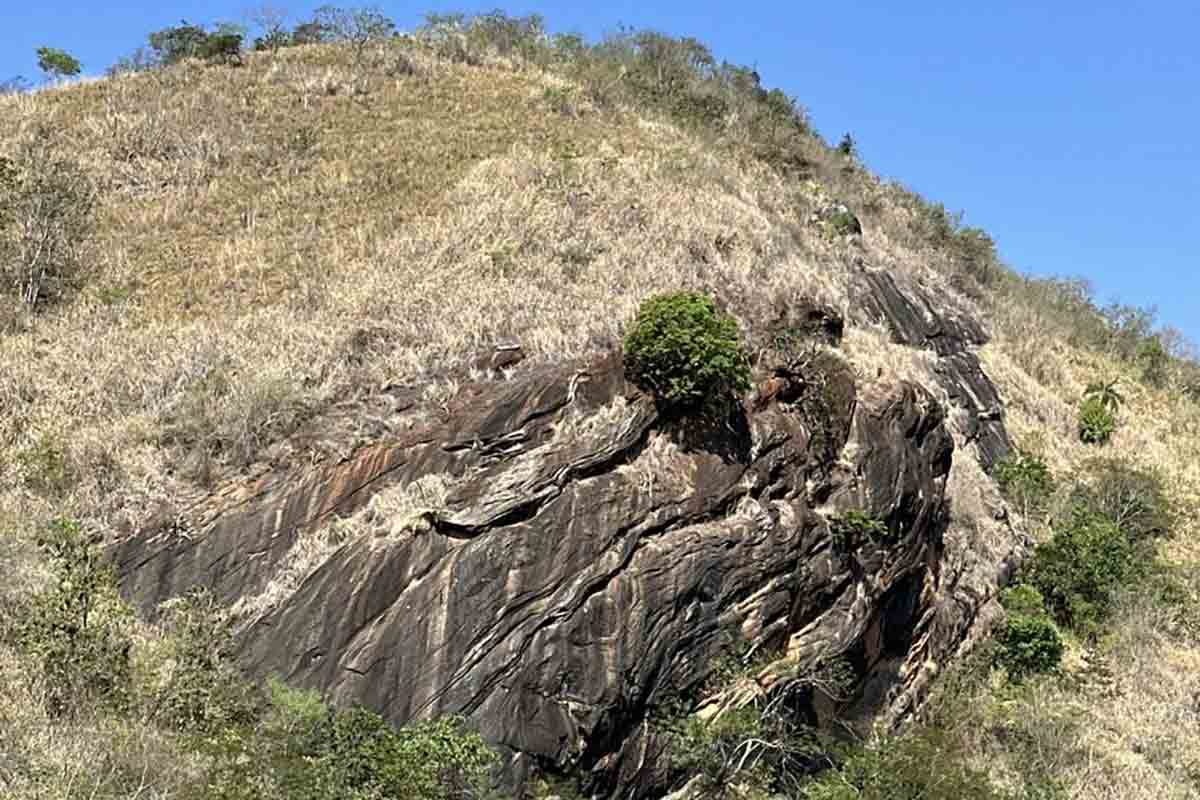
[[47, 204]]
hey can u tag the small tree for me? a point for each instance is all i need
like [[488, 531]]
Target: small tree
[[172, 45], [847, 146], [57, 64]]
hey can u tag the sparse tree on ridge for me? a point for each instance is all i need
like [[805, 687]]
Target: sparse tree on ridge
[[57, 64]]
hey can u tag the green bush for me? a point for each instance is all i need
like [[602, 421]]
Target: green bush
[[919, 765], [1154, 361], [304, 750], [77, 630], [687, 353], [1134, 499], [1029, 644], [1079, 571], [1025, 480], [202, 691], [851, 528], [1097, 423]]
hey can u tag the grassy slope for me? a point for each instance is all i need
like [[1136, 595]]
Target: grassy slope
[[282, 240]]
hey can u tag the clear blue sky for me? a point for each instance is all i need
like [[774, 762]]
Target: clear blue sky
[[1069, 130]]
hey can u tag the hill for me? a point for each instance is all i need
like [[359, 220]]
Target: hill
[[337, 332]]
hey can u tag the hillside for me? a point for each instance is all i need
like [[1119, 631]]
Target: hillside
[[343, 343]]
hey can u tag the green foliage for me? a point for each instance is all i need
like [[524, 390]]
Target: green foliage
[[303, 750], [1097, 423], [687, 353], [57, 64], [45, 467], [1079, 571], [1025, 480], [919, 765], [202, 693], [174, 44], [851, 528], [77, 629], [1134, 499], [1153, 360], [1029, 644]]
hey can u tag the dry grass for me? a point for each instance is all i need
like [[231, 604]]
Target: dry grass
[[281, 241]]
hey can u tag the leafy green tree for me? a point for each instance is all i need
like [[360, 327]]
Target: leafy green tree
[[57, 64], [174, 44]]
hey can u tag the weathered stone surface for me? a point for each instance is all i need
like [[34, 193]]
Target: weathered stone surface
[[588, 563], [917, 319]]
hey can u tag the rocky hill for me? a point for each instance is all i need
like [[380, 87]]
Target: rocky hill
[[341, 346]]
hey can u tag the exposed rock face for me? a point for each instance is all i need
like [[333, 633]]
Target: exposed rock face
[[590, 559], [918, 320]]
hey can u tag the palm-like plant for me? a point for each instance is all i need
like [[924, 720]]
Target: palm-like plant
[[1105, 393]]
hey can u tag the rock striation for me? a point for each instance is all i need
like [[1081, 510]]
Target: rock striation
[[588, 559]]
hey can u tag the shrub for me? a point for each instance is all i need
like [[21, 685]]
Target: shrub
[[1154, 361], [851, 528], [1079, 571], [57, 64], [1025, 480], [687, 353], [47, 209], [77, 630], [304, 750], [203, 692], [1029, 644], [919, 765], [174, 44], [1097, 423], [1133, 498]]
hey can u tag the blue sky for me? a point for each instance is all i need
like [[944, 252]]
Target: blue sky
[[1069, 130]]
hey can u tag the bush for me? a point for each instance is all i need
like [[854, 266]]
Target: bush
[[1134, 499], [1153, 360], [77, 630], [203, 692], [1097, 423], [47, 209], [304, 750], [851, 528], [1029, 644], [687, 353], [1025, 480], [1081, 568], [919, 765]]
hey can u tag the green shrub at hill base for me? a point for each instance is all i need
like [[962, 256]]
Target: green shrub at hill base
[[1083, 566], [919, 765], [1025, 480], [1029, 642], [687, 354]]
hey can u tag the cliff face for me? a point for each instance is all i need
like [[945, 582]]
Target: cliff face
[[556, 557]]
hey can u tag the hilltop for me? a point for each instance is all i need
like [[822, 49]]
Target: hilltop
[[338, 331]]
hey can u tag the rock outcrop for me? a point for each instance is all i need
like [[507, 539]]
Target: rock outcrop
[[588, 559]]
